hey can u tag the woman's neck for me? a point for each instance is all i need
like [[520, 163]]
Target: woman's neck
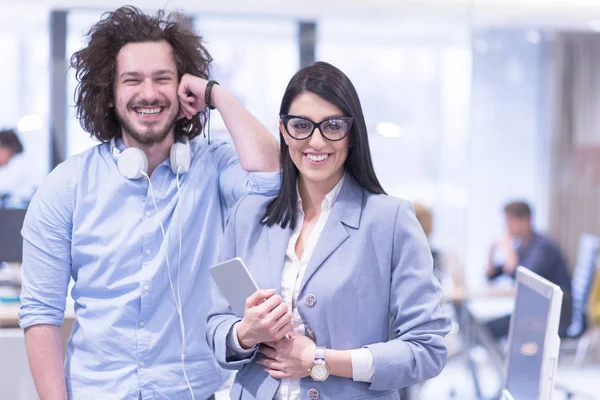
[[313, 193]]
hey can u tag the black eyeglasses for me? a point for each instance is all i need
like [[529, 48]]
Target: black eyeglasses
[[332, 129]]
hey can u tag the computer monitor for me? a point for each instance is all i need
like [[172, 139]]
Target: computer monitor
[[533, 341], [11, 242]]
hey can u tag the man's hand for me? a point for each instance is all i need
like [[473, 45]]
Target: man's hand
[[266, 318], [288, 358], [510, 264], [256, 146], [191, 95]]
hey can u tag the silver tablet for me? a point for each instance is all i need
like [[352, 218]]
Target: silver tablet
[[235, 282]]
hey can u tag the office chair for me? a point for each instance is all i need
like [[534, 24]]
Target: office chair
[[581, 284]]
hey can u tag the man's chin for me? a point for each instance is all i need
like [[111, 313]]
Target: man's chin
[[147, 133], [149, 137]]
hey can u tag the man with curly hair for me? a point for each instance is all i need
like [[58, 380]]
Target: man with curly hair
[[136, 221]]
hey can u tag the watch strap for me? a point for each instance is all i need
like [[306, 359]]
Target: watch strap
[[320, 353]]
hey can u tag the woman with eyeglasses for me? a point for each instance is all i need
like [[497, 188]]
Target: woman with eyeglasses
[[348, 307]]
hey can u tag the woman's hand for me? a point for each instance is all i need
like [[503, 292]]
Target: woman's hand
[[288, 358], [266, 319]]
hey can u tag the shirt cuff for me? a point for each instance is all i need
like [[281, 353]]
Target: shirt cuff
[[363, 367], [264, 183], [234, 345], [30, 314]]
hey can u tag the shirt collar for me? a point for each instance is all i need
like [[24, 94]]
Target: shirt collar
[[330, 198]]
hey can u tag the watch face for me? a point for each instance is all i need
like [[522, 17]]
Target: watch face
[[319, 372]]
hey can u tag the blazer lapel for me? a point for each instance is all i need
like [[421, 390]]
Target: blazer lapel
[[345, 214], [278, 241]]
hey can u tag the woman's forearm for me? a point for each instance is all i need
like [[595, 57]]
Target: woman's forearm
[[339, 363]]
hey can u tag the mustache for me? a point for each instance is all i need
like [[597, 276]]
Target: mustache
[[146, 103]]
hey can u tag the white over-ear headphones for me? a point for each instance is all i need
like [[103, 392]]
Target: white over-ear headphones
[[133, 164]]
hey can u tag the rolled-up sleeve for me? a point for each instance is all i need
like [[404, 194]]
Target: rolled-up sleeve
[[235, 351], [418, 349], [46, 266], [263, 183], [235, 182]]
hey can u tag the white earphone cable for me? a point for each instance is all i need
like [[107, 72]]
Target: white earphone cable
[[179, 286], [175, 298]]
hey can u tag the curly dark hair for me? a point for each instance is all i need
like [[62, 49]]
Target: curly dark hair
[[95, 65]]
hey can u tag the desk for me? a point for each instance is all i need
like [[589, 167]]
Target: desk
[[473, 331], [461, 294], [9, 315], [15, 378]]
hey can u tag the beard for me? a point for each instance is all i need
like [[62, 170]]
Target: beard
[[151, 133]]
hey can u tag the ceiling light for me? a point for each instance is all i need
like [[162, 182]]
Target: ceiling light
[[389, 129], [29, 123]]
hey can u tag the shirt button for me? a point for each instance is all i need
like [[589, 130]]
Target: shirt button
[[148, 213], [142, 364], [142, 323], [146, 288], [148, 252], [310, 300], [313, 394]]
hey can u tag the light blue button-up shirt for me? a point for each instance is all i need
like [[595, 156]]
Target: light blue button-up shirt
[[89, 223]]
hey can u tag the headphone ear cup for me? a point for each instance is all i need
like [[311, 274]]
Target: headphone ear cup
[[132, 163], [180, 157]]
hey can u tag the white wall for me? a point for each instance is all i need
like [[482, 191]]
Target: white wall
[[485, 12]]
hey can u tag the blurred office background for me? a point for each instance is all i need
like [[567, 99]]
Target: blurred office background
[[469, 104]]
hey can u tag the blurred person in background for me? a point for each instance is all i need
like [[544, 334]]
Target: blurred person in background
[[522, 246], [10, 146], [136, 221], [425, 218]]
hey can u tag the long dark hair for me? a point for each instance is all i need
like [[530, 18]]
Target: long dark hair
[[95, 65], [332, 85]]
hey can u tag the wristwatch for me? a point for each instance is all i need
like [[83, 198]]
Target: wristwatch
[[319, 370]]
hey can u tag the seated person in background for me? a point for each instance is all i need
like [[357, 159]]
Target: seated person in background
[[523, 246], [10, 146]]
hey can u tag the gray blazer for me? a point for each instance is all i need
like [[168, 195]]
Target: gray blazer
[[372, 265]]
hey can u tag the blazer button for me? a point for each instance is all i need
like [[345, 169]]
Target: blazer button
[[310, 300], [313, 394]]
